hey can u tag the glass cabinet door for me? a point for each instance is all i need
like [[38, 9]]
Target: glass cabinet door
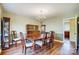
[[0, 36], [6, 35], [5, 31]]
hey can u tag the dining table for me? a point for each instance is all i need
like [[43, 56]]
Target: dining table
[[34, 39]]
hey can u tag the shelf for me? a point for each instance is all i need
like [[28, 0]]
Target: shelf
[[32, 30]]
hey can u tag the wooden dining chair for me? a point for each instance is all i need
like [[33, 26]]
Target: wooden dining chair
[[50, 39], [40, 41], [47, 39], [43, 37], [25, 43], [15, 39]]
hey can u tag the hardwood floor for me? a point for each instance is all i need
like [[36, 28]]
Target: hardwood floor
[[66, 48]]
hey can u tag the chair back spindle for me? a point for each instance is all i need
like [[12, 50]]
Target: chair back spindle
[[22, 39]]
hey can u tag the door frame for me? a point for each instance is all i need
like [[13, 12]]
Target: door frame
[[67, 20]]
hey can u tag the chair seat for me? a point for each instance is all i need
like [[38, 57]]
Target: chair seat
[[40, 43], [29, 41], [48, 40], [16, 39], [29, 44]]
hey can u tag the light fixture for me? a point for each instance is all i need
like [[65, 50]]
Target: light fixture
[[41, 16]]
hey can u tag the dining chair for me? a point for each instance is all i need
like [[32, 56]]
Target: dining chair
[[15, 39], [40, 41], [47, 39], [50, 39], [25, 43]]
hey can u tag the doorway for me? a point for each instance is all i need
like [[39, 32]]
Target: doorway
[[66, 30], [70, 31]]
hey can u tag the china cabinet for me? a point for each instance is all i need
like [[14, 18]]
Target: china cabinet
[[5, 33]]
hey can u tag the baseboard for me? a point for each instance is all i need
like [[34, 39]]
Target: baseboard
[[58, 41]]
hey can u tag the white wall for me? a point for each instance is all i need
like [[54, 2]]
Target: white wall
[[54, 24], [19, 23], [0, 12], [66, 26]]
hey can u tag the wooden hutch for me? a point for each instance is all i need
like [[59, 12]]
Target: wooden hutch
[[32, 30]]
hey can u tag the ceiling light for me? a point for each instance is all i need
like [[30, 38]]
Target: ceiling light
[[41, 16]]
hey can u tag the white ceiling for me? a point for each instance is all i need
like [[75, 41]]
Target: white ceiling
[[49, 9]]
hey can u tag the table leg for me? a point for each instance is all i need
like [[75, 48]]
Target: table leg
[[16, 44], [33, 45]]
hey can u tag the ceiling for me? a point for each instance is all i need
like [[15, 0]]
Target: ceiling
[[49, 9]]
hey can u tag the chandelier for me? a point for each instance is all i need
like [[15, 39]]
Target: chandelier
[[41, 16]]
